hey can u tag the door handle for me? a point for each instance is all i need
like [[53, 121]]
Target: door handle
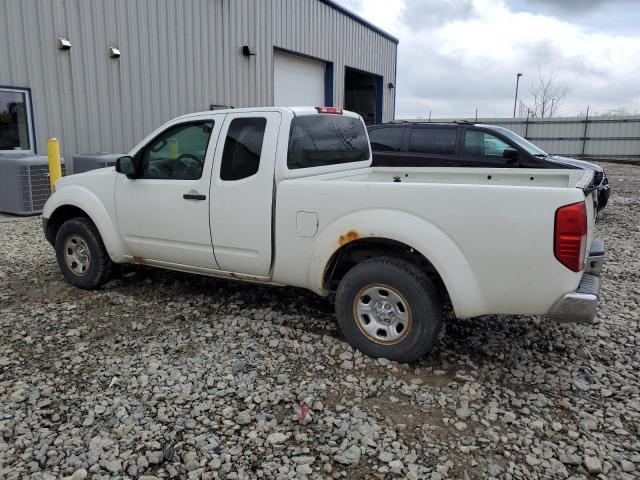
[[194, 196]]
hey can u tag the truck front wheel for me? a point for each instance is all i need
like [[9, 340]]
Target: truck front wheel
[[81, 254], [387, 307]]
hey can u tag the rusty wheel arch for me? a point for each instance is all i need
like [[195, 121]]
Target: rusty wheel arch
[[354, 249]]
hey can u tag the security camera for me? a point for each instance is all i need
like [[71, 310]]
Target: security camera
[[114, 52]]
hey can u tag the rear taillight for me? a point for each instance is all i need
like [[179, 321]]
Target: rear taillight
[[336, 110], [570, 238]]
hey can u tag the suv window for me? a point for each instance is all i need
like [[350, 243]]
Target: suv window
[[177, 153], [242, 148], [386, 139], [440, 141], [318, 140], [482, 144]]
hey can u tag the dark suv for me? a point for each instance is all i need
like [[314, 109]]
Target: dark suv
[[465, 144]]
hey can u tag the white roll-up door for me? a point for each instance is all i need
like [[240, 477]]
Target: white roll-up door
[[297, 81]]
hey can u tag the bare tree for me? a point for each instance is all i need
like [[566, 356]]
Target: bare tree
[[548, 94]]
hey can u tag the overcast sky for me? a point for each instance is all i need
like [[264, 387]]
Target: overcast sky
[[456, 55]]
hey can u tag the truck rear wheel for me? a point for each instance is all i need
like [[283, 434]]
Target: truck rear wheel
[[81, 254], [387, 307]]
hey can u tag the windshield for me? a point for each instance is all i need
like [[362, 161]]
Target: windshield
[[521, 142]]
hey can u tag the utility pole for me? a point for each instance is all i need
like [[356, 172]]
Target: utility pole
[[584, 134], [552, 102], [515, 102]]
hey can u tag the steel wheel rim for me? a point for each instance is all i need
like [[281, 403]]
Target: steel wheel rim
[[382, 314], [77, 255]]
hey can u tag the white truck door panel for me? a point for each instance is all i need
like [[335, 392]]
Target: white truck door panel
[[167, 219], [242, 192]]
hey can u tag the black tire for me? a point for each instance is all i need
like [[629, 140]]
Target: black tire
[[99, 265], [408, 284]]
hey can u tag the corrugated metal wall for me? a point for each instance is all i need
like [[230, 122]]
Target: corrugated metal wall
[[594, 137], [178, 56]]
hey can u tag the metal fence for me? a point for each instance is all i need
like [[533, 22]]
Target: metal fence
[[614, 138]]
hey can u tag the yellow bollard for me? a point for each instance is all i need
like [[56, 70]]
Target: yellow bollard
[[172, 148], [55, 169]]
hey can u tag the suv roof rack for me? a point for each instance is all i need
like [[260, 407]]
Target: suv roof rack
[[427, 122]]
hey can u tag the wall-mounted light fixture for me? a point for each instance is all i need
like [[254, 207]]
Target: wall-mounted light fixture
[[63, 43], [248, 51], [391, 85], [114, 52]]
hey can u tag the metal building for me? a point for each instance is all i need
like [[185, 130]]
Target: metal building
[[101, 74]]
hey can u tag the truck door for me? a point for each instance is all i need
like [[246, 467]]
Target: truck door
[[242, 192], [163, 214]]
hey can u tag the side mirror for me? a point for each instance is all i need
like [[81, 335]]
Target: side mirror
[[127, 166], [511, 154]]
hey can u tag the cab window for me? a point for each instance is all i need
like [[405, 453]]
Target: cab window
[[242, 148], [177, 153]]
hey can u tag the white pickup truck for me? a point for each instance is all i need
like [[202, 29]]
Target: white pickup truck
[[286, 196]]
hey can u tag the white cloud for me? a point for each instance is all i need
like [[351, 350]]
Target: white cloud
[[455, 56]]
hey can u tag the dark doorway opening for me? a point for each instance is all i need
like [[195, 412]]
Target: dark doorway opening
[[363, 94]]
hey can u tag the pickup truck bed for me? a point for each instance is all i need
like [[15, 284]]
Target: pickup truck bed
[[466, 224]]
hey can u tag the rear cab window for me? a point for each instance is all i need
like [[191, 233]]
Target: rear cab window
[[326, 139]]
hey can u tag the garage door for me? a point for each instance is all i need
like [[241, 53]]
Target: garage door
[[297, 81]]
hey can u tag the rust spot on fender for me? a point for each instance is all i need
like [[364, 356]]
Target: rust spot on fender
[[350, 236], [139, 259]]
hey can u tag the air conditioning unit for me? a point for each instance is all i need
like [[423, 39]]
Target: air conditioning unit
[[24, 183], [83, 162]]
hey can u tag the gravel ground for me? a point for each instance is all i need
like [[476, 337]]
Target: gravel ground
[[167, 375]]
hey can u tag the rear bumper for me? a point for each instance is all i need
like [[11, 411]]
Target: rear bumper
[[579, 306]]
